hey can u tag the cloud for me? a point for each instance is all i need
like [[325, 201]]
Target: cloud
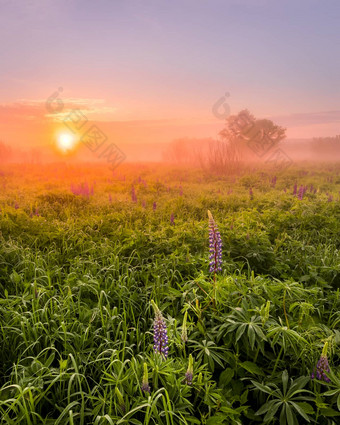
[[30, 110], [307, 118]]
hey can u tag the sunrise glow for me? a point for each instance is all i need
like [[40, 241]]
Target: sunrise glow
[[169, 212], [66, 142]]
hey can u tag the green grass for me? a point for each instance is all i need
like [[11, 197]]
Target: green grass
[[77, 280]]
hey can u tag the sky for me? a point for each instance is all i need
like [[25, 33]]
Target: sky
[[149, 71]]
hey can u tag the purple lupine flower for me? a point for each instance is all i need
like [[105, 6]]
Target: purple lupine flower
[[189, 374], [160, 334], [215, 246], [172, 219], [301, 193], [251, 194], [274, 179], [154, 206], [330, 198], [322, 366], [133, 194], [82, 189], [295, 189]]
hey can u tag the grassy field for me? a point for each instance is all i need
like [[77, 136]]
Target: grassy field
[[83, 253]]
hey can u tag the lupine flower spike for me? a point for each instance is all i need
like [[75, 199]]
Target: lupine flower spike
[[215, 246], [184, 335], [160, 335], [322, 366], [145, 380], [190, 371], [120, 398], [133, 194], [251, 194], [295, 189]]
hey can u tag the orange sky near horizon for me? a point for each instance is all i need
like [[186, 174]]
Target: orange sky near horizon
[[29, 124], [147, 73]]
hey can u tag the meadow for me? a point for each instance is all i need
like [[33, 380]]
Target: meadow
[[88, 257]]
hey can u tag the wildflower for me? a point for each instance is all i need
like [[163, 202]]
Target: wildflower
[[190, 371], [200, 379], [160, 335], [121, 402], [184, 335], [322, 366], [301, 193], [172, 219], [295, 189], [215, 246], [154, 206], [145, 381], [133, 194], [251, 193]]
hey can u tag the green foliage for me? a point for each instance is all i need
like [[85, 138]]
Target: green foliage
[[77, 280]]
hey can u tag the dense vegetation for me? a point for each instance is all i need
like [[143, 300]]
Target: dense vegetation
[[83, 252]]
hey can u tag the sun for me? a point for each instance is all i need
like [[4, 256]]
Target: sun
[[66, 142]]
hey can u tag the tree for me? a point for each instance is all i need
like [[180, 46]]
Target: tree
[[326, 147], [250, 136], [186, 151]]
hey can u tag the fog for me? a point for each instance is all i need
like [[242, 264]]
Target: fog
[[182, 151]]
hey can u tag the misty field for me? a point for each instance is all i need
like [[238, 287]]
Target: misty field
[[94, 263]]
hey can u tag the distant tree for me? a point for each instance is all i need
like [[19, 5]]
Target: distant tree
[[250, 136], [177, 151], [5, 152], [326, 147], [186, 151]]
